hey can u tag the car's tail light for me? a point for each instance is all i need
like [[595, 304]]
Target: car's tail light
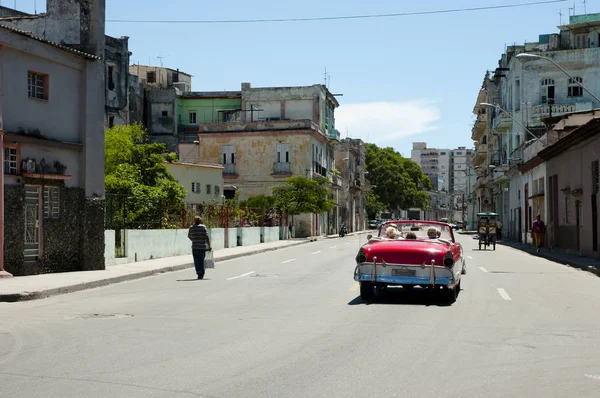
[[449, 259], [361, 257]]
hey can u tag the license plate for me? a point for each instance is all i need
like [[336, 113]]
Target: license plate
[[404, 272]]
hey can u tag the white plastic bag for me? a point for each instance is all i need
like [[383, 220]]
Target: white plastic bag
[[209, 260]]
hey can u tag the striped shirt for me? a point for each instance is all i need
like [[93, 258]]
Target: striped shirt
[[198, 234]]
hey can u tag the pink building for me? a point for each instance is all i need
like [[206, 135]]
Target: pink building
[[572, 194]]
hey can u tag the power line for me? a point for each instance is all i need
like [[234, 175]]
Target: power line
[[401, 14]]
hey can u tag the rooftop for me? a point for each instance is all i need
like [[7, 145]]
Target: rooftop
[[51, 43], [162, 67], [198, 164]]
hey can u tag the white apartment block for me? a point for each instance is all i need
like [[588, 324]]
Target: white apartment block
[[447, 168]]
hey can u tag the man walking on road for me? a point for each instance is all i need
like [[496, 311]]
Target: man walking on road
[[538, 229], [198, 234]]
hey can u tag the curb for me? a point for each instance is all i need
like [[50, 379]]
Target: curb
[[28, 296]]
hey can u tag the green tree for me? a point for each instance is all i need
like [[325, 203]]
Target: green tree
[[301, 195], [399, 182], [374, 204], [136, 170], [260, 202]]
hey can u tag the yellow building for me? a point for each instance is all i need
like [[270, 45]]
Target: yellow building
[[203, 182]]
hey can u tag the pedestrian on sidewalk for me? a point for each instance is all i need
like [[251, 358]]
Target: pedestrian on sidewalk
[[499, 230], [198, 234], [538, 229]]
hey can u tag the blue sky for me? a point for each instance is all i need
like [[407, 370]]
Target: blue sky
[[404, 79]]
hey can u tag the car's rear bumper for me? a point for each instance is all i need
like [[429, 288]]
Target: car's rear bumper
[[417, 275], [405, 280]]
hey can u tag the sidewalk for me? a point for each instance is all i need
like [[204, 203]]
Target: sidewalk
[[572, 260], [35, 287]]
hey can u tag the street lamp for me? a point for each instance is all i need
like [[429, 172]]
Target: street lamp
[[534, 57], [486, 105]]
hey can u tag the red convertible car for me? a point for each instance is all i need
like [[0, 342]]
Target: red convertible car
[[408, 254]]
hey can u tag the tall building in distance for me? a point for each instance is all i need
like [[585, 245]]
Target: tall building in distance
[[451, 175]]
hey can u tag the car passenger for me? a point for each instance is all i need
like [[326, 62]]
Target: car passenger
[[410, 235], [433, 233], [391, 233]]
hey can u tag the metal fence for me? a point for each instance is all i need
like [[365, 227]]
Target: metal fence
[[123, 212]]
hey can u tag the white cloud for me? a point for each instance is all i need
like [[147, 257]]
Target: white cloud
[[385, 122]]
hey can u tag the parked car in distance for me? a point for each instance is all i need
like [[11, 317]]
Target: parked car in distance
[[373, 224], [434, 260]]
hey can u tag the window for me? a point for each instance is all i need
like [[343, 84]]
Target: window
[[151, 77], [111, 81], [547, 91], [575, 90], [208, 189], [51, 202], [192, 117], [37, 85], [217, 190], [228, 154], [195, 187], [165, 113], [283, 153], [442, 153], [11, 161]]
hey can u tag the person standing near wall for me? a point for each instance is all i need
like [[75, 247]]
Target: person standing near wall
[[198, 234], [538, 230]]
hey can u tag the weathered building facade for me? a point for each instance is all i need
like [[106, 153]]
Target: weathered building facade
[[74, 23], [53, 166], [528, 92], [269, 135], [352, 208], [572, 192]]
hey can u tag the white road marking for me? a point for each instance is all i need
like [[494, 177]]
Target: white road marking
[[288, 261], [470, 258], [317, 252], [347, 243], [333, 247], [595, 377], [483, 269], [240, 276], [503, 294]]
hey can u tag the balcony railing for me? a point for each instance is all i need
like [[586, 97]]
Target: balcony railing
[[559, 109], [229, 168], [498, 158], [283, 168], [503, 120]]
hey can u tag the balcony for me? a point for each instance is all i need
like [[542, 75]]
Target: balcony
[[283, 168], [479, 127], [229, 168], [545, 110], [498, 158], [334, 134], [481, 152], [503, 121]]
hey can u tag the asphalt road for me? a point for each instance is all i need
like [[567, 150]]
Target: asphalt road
[[290, 324]]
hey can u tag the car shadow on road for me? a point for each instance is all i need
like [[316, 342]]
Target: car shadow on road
[[399, 296]]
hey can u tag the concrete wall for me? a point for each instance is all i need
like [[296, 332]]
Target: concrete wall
[[148, 244], [208, 176], [164, 76], [250, 236], [70, 159], [160, 101]]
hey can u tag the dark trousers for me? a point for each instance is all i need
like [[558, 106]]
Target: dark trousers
[[499, 233], [199, 255]]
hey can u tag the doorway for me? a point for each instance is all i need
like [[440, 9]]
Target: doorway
[[32, 223]]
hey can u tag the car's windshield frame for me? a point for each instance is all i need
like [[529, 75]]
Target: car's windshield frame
[[404, 226]]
